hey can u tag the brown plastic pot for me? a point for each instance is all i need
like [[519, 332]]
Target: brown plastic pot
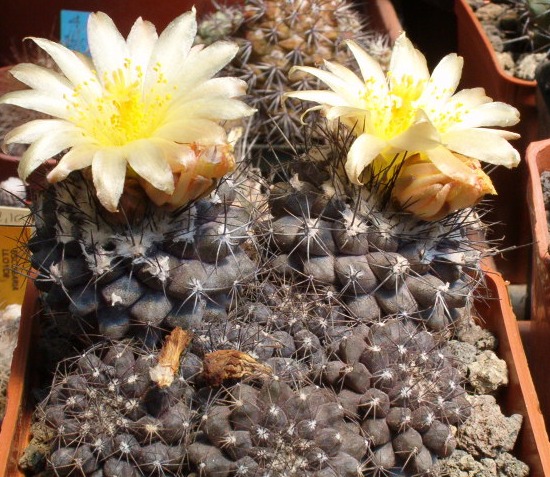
[[482, 69], [495, 314], [14, 433], [538, 333], [382, 17], [520, 396]]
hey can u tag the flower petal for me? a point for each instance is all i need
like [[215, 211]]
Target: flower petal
[[69, 63], [467, 99], [42, 79], [141, 42], [37, 101], [347, 111], [337, 84], [370, 68], [444, 80], [45, 148], [205, 63], [172, 47], [508, 135], [109, 172], [212, 108], [451, 165], [77, 158], [484, 146], [225, 87], [406, 62], [33, 130], [148, 161], [107, 46], [422, 135], [187, 131], [329, 98], [490, 114], [345, 74], [362, 152]]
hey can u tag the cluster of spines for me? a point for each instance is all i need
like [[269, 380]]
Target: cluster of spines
[[144, 274], [274, 36], [108, 416]]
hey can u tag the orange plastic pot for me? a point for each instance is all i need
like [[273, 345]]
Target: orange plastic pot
[[482, 69], [520, 396], [538, 333], [14, 433], [495, 314], [382, 17]]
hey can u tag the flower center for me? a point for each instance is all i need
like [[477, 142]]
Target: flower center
[[124, 112], [393, 113]]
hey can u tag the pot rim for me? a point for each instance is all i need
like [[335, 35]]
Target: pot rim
[[463, 9]]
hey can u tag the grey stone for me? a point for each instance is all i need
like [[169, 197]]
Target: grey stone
[[487, 373], [487, 431], [462, 353], [462, 464], [527, 65], [477, 336], [509, 466]]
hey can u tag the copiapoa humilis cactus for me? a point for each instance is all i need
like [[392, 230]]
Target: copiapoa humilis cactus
[[315, 324]]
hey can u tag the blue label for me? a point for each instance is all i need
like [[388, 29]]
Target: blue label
[[74, 33]]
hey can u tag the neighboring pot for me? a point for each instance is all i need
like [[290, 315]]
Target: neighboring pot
[[482, 69], [538, 333]]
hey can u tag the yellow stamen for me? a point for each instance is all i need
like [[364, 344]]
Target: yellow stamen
[[125, 112]]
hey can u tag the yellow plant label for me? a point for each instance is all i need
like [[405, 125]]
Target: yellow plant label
[[15, 230]]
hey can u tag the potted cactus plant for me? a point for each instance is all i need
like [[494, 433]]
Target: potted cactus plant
[[303, 327]]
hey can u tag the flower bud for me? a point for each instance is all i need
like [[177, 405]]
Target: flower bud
[[200, 169], [423, 190]]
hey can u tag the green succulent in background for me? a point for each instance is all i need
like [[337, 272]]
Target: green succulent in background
[[539, 12]]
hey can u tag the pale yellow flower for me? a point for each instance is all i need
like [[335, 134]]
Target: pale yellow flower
[[410, 111], [142, 105]]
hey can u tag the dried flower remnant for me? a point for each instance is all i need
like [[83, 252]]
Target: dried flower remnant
[[175, 344], [144, 106], [231, 364]]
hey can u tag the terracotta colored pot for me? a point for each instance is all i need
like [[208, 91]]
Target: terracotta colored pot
[[481, 68], [382, 17], [14, 433], [520, 395], [538, 333], [495, 314]]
